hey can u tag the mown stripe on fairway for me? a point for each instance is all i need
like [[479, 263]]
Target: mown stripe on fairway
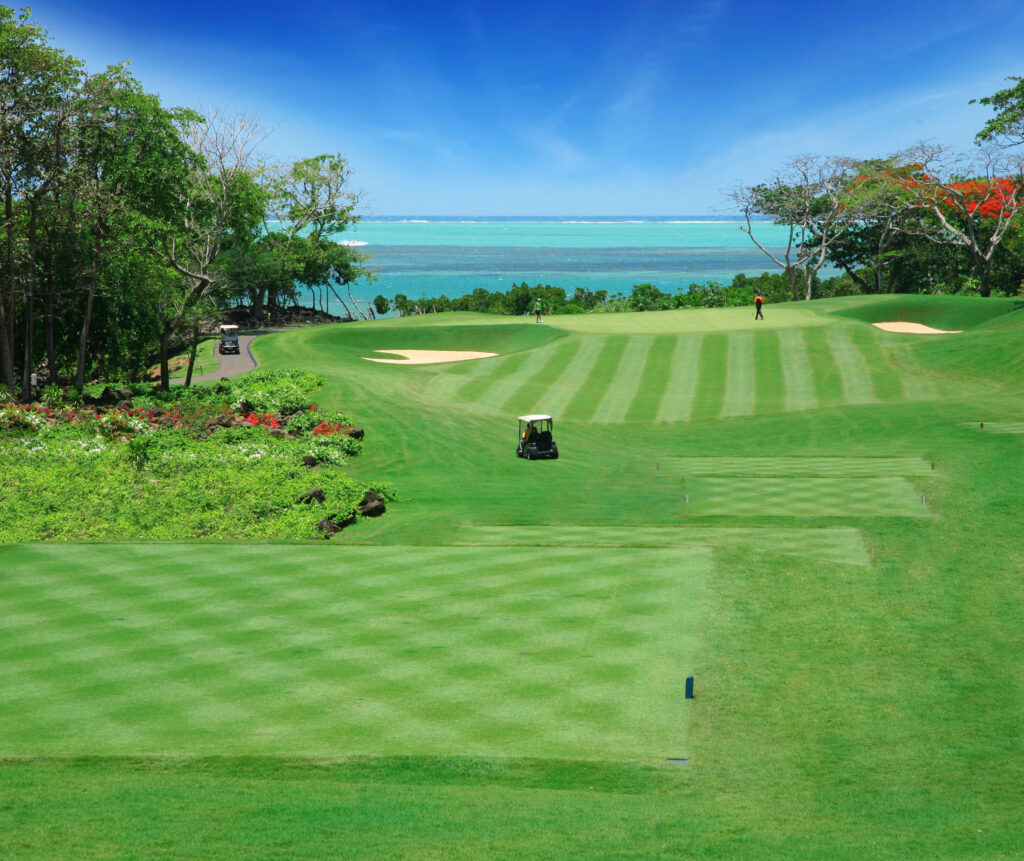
[[472, 390], [564, 652], [654, 380], [828, 385], [677, 400], [614, 407], [569, 381], [739, 381], [796, 371], [449, 381], [494, 390], [712, 372], [843, 544], [853, 370], [529, 397], [769, 378], [885, 379], [669, 467], [584, 404]]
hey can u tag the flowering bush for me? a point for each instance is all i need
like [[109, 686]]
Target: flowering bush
[[22, 418], [121, 424], [267, 420]]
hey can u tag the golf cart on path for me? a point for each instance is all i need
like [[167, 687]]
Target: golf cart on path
[[535, 438], [228, 339]]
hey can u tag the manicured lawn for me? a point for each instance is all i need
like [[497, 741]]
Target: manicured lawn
[[494, 669], [568, 652]]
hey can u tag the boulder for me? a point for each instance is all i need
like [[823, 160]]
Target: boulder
[[372, 505], [334, 524], [314, 495], [309, 461], [355, 433]]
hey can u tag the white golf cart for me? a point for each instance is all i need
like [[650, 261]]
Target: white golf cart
[[229, 339], [535, 440]]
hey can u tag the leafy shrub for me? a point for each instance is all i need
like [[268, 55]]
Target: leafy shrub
[[52, 397], [177, 466]]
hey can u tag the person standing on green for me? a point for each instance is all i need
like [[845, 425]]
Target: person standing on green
[[537, 306], [758, 302]]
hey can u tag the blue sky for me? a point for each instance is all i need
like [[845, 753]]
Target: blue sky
[[642, 107]]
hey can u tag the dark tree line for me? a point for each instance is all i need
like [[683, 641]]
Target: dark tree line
[[127, 224]]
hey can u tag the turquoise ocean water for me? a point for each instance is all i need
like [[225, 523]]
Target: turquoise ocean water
[[434, 256]]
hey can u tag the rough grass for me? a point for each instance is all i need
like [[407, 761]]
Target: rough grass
[[858, 674]]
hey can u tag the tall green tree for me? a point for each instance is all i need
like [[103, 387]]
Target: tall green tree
[[1006, 128], [811, 197], [37, 83], [219, 197]]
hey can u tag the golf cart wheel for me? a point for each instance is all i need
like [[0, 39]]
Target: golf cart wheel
[[554, 452]]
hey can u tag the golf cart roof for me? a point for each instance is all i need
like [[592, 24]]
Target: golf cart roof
[[535, 418], [228, 328]]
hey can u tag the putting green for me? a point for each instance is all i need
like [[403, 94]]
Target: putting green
[[567, 652]]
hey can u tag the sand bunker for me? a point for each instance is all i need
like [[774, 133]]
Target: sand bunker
[[914, 329], [428, 357]]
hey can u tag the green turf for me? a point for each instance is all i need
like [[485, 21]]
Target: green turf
[[198, 651], [836, 544], [1000, 427], [868, 467], [856, 653]]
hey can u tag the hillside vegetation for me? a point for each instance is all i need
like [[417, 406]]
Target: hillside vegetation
[[805, 514]]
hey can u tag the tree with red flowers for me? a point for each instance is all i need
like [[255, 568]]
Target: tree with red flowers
[[970, 203]]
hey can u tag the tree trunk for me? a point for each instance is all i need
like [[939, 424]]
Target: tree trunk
[[860, 282], [350, 296], [83, 338], [7, 297], [794, 282], [26, 370], [165, 342], [51, 338], [341, 302], [30, 323], [192, 356], [981, 272]]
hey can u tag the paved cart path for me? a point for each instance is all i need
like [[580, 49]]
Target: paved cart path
[[232, 365]]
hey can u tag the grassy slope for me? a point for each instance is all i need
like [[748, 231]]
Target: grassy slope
[[859, 691]]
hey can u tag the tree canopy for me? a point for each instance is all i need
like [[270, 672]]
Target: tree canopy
[[125, 222]]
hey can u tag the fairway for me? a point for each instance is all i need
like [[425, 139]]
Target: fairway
[[568, 652], [806, 516]]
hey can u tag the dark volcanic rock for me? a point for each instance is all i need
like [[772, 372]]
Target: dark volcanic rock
[[309, 461], [334, 524], [372, 505], [315, 495]]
